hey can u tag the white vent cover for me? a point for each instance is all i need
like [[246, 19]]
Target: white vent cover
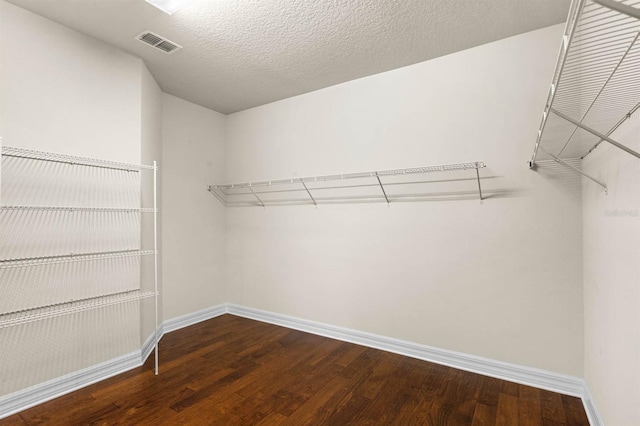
[[157, 41]]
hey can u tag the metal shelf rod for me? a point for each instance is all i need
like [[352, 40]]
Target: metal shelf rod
[[71, 159], [575, 169], [84, 257], [80, 209], [619, 7], [596, 133], [75, 306]]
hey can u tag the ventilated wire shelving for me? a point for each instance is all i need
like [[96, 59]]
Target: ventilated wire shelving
[[67, 307], [596, 83], [375, 186]]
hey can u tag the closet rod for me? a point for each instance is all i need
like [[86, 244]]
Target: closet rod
[[84, 257], [71, 159], [81, 209]]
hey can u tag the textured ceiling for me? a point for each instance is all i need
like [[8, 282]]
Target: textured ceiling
[[242, 53]]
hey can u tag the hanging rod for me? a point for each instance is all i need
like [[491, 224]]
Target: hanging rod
[[80, 209], [30, 154], [222, 191], [16, 318], [84, 257]]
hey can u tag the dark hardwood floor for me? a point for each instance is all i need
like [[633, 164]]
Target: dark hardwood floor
[[235, 371]]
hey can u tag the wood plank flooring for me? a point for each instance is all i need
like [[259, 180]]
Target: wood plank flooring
[[235, 371]]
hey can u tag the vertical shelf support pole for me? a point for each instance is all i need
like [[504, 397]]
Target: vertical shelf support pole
[[309, 192], [382, 187], [155, 258]]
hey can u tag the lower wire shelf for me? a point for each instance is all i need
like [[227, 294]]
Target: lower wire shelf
[[11, 319]]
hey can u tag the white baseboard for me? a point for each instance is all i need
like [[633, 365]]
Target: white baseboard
[[590, 407], [34, 395], [195, 317], [555, 382]]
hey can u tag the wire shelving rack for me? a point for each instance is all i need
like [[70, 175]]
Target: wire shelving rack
[[596, 83], [395, 185]]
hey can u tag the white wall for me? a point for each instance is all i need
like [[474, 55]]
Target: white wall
[[612, 278], [193, 221], [64, 91], [501, 280]]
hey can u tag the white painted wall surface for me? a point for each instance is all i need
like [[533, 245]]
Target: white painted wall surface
[[501, 280], [64, 91], [612, 278], [193, 221]]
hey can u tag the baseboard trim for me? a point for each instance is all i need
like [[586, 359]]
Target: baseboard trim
[[590, 407], [34, 395], [182, 321], [555, 382], [150, 344]]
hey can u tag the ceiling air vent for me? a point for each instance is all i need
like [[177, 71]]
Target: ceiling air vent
[[158, 42]]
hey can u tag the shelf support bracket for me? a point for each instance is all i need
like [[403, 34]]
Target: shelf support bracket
[[256, 195], [479, 186], [382, 187], [620, 7], [212, 190], [595, 132], [575, 169], [309, 192]]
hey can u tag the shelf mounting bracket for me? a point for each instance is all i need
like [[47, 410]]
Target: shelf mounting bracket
[[256, 195], [575, 169], [309, 192], [382, 187], [595, 132]]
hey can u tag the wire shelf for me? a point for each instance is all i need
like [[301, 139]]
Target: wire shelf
[[84, 257], [12, 319], [8, 151], [596, 83], [371, 186], [80, 209]]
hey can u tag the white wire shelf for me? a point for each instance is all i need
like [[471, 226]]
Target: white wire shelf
[[12, 319], [596, 84], [370, 186], [80, 209], [8, 151], [83, 257]]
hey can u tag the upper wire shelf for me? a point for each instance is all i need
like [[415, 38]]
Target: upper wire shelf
[[11, 319], [596, 83], [373, 186], [8, 151]]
